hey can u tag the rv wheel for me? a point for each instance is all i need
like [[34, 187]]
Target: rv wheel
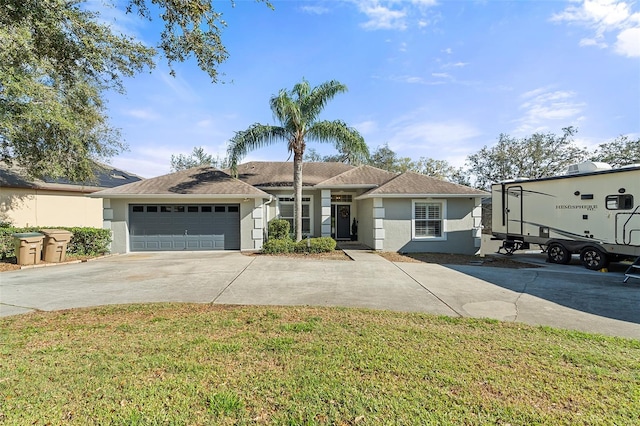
[[594, 259], [557, 253]]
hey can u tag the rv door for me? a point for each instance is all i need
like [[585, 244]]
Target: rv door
[[513, 210]]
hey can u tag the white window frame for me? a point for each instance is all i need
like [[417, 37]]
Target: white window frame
[[290, 200], [443, 213]]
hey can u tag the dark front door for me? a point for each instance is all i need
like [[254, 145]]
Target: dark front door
[[343, 221]]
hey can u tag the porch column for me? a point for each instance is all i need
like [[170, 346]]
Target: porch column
[[257, 233], [107, 217], [107, 213], [476, 215], [326, 213], [378, 224]]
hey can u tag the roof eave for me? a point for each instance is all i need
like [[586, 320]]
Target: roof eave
[[180, 196], [276, 188], [365, 196], [57, 188], [348, 186]]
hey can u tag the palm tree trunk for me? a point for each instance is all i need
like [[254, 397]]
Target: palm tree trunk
[[297, 189]]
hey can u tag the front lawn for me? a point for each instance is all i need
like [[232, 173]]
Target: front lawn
[[200, 364]]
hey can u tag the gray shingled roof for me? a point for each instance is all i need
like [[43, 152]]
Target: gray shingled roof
[[362, 176], [205, 181], [13, 176], [280, 173], [411, 184], [209, 181]]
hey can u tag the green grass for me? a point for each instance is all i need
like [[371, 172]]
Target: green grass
[[174, 364]]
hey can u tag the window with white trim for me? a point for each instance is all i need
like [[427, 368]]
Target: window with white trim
[[285, 209], [428, 221]]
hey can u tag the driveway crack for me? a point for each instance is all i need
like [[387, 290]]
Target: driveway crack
[[232, 281], [427, 290], [22, 307], [523, 291]]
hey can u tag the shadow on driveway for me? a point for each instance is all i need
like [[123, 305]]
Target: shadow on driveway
[[571, 286]]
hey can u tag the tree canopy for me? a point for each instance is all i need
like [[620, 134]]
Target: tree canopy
[[619, 152], [535, 156], [298, 112], [385, 158], [58, 60], [197, 158]]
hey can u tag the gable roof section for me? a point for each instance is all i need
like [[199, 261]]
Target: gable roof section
[[359, 177], [267, 174], [196, 182], [13, 176], [411, 184]]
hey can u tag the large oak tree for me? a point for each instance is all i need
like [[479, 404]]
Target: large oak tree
[[58, 59], [535, 156]]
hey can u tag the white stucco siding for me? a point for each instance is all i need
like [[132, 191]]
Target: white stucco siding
[[119, 226], [119, 210], [458, 235], [316, 211], [365, 222]]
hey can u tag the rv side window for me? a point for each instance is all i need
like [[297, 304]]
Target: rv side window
[[619, 202]]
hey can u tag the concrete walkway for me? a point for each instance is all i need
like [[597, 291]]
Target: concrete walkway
[[556, 295]]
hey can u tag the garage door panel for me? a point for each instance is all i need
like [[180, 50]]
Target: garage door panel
[[184, 227]]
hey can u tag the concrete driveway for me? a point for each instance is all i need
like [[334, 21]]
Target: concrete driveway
[[556, 295]]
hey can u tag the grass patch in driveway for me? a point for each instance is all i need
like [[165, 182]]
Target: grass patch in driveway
[[202, 364]]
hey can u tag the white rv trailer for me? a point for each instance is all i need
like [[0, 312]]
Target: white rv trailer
[[593, 213]]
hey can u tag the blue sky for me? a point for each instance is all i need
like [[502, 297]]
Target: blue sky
[[437, 79]]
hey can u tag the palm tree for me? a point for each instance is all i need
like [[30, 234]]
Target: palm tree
[[297, 111]]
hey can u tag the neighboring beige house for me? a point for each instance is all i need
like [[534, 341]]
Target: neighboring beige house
[[54, 202], [206, 209]]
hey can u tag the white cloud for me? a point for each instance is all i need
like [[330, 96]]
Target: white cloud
[[455, 65], [440, 75], [603, 17], [393, 14], [315, 10], [593, 42], [206, 123], [382, 18], [544, 108], [180, 87], [143, 114], [432, 139], [146, 161], [628, 42], [140, 166], [366, 127], [413, 79]]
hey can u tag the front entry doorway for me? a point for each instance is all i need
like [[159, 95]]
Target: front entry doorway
[[341, 217]]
